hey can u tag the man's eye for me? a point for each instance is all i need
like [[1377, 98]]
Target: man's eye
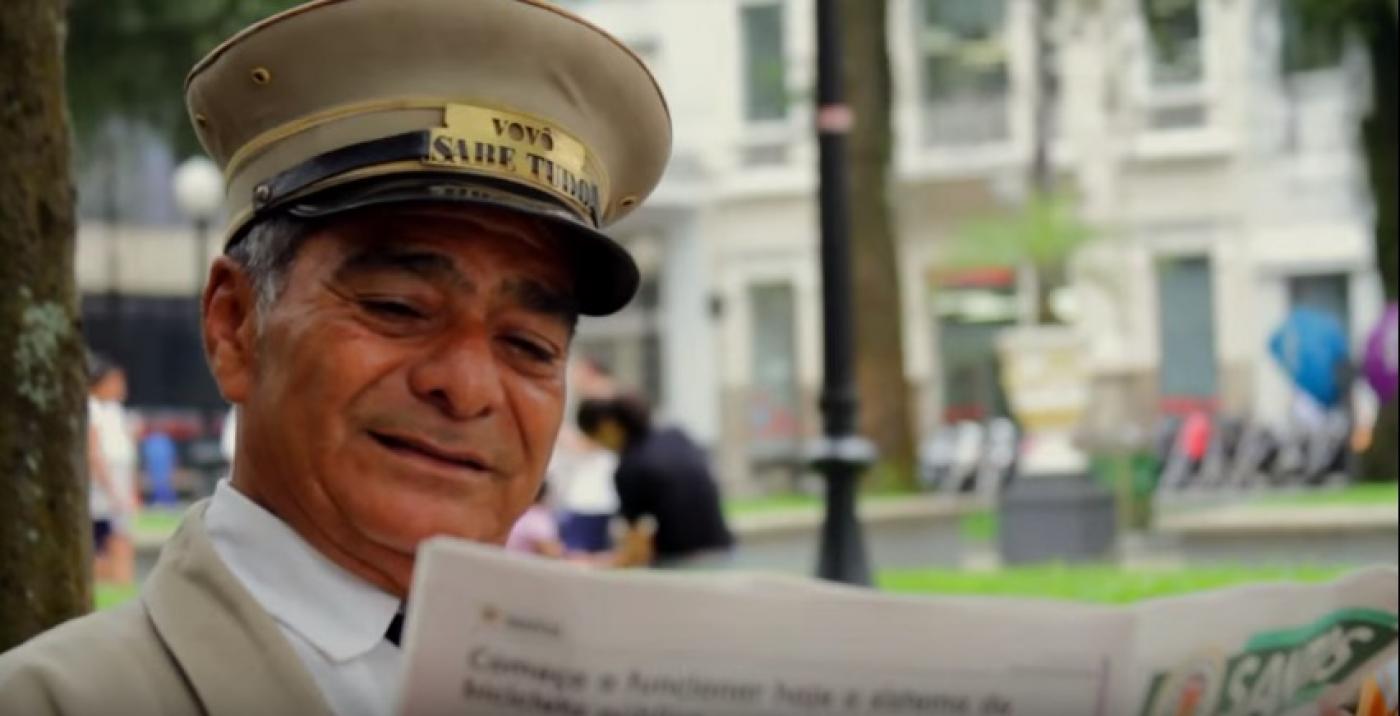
[[531, 349], [391, 309]]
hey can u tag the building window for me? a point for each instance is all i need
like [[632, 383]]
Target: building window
[[973, 307], [1307, 45], [774, 404], [765, 64], [1174, 33], [1188, 374], [1329, 294], [628, 343], [965, 78]]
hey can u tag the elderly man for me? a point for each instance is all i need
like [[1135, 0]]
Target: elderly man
[[416, 193]]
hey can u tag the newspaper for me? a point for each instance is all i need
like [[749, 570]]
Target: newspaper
[[491, 633]]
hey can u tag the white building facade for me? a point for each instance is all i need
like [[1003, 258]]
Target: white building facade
[[1211, 151], [1215, 161]]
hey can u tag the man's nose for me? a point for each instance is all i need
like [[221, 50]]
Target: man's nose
[[460, 378]]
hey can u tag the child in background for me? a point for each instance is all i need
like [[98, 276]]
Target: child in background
[[112, 500], [536, 532]]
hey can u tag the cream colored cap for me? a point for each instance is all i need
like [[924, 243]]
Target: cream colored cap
[[340, 104]]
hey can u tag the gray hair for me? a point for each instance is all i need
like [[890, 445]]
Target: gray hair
[[266, 253]]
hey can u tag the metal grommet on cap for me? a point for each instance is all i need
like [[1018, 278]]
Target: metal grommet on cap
[[261, 194], [261, 76], [201, 121], [627, 202]]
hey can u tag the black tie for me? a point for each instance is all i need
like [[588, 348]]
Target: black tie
[[395, 631]]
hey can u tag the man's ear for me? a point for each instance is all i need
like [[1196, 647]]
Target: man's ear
[[230, 328]]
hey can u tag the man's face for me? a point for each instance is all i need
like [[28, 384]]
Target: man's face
[[409, 382]]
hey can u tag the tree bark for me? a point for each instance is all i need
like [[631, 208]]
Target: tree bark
[[1378, 29], [884, 392], [44, 530]]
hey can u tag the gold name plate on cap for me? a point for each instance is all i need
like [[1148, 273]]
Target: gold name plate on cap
[[526, 149]]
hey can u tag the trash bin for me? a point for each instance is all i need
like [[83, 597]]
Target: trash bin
[[1057, 518]]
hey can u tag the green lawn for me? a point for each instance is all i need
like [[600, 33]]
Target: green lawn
[[980, 526], [111, 595], [1092, 584], [1370, 494], [770, 504], [154, 521], [788, 502], [1095, 584]]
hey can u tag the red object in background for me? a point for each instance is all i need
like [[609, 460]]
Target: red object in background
[[1187, 405], [959, 413], [1195, 435], [987, 277], [179, 426]]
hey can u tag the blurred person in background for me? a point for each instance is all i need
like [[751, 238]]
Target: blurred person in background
[[536, 532], [112, 491], [663, 474], [581, 471]]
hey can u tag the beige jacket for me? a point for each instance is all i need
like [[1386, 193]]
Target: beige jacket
[[194, 643]]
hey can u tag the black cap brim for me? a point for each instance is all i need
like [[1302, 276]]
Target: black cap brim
[[605, 275]]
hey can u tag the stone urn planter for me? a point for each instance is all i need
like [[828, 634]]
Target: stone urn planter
[[1054, 510]]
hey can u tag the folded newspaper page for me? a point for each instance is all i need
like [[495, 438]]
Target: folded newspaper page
[[491, 633]]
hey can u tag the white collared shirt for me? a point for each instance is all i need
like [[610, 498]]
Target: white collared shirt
[[334, 620]]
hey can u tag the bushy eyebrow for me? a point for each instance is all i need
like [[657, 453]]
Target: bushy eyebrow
[[533, 296], [538, 297]]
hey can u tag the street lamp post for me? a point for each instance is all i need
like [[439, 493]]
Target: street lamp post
[[842, 455], [199, 192]]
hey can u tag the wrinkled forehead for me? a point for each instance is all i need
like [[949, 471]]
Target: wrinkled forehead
[[491, 255], [513, 243]]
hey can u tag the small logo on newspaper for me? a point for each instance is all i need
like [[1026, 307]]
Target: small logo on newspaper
[[1276, 671], [494, 616]]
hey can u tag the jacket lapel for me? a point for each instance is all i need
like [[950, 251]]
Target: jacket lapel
[[234, 655]]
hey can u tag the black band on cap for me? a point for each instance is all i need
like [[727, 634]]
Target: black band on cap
[[398, 148]]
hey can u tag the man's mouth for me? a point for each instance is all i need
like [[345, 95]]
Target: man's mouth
[[418, 448]]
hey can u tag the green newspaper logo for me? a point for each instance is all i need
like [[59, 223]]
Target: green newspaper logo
[[1276, 671]]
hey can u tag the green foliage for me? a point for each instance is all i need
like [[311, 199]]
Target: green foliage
[[129, 58], [1097, 584], [1329, 14], [1043, 234]]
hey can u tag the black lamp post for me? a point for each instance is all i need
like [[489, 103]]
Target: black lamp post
[[842, 455]]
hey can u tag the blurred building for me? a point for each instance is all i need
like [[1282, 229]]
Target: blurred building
[[1212, 147], [1212, 151], [136, 266]]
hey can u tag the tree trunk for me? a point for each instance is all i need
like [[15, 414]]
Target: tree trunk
[[884, 392], [1379, 137], [44, 530]]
